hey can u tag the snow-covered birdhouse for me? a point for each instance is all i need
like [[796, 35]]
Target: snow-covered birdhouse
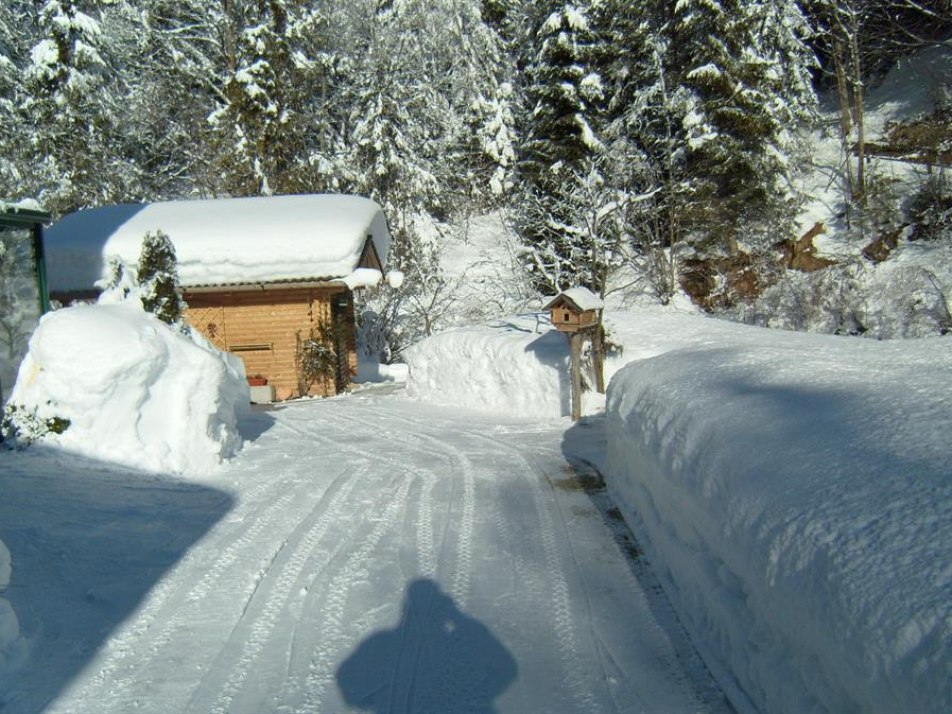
[[574, 310]]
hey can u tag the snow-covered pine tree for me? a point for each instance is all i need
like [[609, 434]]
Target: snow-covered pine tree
[[566, 208], [173, 64], [747, 65], [482, 89], [69, 103], [261, 128], [646, 137], [157, 276], [13, 18]]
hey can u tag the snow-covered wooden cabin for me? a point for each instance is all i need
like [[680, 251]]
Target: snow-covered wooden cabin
[[259, 274]]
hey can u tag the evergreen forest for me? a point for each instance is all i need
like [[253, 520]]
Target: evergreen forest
[[661, 139]]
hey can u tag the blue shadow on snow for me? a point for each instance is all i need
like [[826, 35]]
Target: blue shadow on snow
[[437, 659], [88, 541]]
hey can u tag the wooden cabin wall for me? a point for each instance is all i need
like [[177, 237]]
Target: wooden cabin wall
[[262, 327]]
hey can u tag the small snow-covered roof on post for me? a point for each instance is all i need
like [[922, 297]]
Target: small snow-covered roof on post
[[230, 241], [582, 299]]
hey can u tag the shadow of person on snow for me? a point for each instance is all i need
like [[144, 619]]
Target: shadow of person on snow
[[437, 659]]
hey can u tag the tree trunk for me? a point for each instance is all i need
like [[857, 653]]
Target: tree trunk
[[859, 118]]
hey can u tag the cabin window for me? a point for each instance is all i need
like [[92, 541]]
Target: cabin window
[[567, 316]]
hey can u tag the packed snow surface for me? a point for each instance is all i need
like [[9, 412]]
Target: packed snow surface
[[222, 241], [136, 391], [9, 625], [365, 553]]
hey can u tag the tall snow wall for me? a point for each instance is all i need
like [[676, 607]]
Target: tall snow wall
[[795, 496]]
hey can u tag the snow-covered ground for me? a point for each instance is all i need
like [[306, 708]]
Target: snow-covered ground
[[793, 489], [364, 553]]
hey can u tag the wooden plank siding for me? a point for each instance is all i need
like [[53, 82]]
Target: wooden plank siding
[[262, 328]]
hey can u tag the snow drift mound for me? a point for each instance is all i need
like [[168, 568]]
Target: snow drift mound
[[517, 367], [9, 626], [136, 392], [795, 494]]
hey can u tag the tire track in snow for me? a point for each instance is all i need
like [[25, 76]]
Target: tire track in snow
[[426, 546], [120, 685], [463, 561], [323, 657], [278, 597], [127, 643], [427, 557], [558, 591], [560, 597]]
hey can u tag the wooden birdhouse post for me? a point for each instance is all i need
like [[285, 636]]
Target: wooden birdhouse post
[[575, 313]]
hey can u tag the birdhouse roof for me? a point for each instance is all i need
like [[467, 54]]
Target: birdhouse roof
[[580, 299]]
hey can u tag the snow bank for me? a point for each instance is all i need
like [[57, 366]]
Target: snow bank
[[518, 367], [136, 391], [795, 494], [9, 626]]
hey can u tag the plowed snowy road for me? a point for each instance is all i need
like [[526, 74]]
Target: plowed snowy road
[[385, 556]]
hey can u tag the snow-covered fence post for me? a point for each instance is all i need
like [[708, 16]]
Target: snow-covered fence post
[[576, 313]]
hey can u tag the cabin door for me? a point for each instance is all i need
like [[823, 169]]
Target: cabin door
[[341, 310]]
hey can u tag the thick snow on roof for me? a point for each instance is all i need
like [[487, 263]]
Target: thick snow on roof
[[222, 241]]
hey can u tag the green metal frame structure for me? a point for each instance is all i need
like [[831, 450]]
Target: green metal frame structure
[[33, 220]]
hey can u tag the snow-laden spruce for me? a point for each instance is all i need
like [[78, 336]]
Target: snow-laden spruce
[[135, 390]]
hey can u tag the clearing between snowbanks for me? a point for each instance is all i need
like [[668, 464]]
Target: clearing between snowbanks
[[795, 495]]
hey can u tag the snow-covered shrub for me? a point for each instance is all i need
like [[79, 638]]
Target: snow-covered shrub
[[157, 277], [929, 210], [24, 426], [900, 298]]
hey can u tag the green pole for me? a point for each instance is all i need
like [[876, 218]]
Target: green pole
[[40, 258]]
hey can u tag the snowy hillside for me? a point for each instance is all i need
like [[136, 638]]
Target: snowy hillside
[[908, 293]]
